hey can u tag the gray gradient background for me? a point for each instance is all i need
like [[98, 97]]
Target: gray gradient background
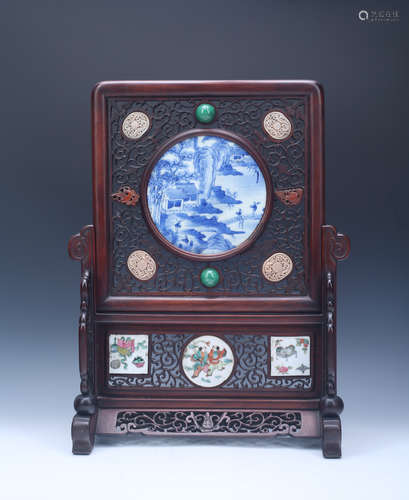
[[52, 54]]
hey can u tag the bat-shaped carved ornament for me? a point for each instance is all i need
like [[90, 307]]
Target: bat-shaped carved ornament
[[127, 196]]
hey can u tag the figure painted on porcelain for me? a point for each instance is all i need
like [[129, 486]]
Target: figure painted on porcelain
[[207, 361]]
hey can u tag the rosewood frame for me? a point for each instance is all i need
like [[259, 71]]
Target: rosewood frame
[[97, 408], [313, 196]]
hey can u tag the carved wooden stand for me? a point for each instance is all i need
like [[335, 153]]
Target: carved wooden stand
[[81, 247], [336, 247], [256, 398]]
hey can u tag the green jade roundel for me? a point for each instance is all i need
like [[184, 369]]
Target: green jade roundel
[[209, 277], [205, 113]]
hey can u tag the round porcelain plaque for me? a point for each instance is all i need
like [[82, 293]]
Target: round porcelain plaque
[[206, 195], [135, 125], [208, 361], [277, 125], [277, 267], [141, 265]]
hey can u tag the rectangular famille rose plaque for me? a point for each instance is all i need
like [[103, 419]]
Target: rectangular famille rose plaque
[[290, 356], [128, 354]]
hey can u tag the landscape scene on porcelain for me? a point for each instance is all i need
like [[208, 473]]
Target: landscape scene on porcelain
[[206, 195]]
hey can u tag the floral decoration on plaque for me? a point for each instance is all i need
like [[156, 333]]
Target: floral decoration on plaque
[[141, 265], [128, 354], [207, 361], [290, 356]]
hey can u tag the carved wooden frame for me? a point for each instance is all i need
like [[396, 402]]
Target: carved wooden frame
[[313, 196]]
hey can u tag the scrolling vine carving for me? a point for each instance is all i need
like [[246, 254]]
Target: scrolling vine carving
[[200, 422]]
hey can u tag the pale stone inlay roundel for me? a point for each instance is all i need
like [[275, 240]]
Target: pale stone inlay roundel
[[141, 265], [277, 125], [277, 267], [135, 125]]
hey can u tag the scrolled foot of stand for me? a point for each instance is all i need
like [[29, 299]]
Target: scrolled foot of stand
[[83, 425], [83, 434], [331, 437], [331, 432]]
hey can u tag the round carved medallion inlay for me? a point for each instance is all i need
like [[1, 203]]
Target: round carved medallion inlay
[[141, 265], [277, 267], [277, 125], [135, 125]]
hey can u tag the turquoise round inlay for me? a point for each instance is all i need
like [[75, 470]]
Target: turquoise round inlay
[[209, 277], [205, 113]]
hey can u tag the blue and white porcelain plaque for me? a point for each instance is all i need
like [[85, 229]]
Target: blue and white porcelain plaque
[[206, 195]]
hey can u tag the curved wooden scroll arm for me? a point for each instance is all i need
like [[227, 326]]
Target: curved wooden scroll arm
[[81, 247], [335, 247]]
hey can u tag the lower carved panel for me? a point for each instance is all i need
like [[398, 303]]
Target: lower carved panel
[[209, 422], [252, 367]]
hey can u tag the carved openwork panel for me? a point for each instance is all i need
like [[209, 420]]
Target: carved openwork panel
[[286, 228], [209, 422]]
